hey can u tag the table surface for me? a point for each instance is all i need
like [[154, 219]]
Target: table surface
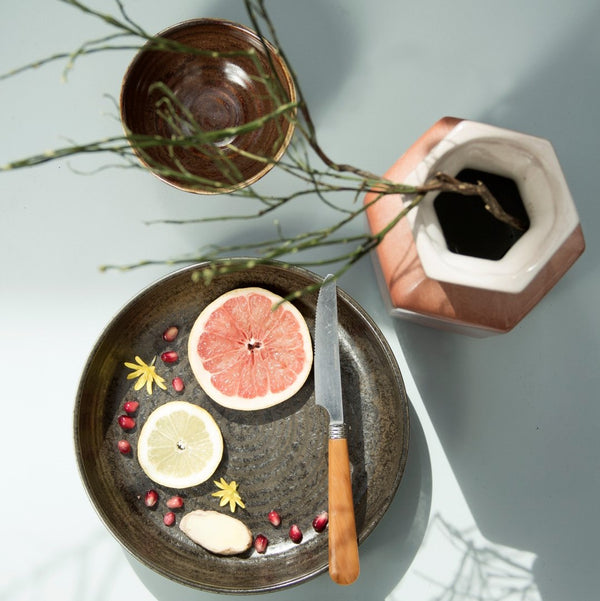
[[501, 490]]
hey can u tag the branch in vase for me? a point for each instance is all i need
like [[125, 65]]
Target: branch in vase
[[330, 179]]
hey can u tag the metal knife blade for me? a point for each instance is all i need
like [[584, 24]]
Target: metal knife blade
[[344, 566], [328, 383]]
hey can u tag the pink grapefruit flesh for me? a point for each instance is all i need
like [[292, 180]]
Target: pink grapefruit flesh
[[247, 355]]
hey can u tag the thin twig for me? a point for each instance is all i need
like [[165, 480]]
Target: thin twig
[[328, 183]]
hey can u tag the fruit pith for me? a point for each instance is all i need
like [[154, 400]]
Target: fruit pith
[[250, 349]]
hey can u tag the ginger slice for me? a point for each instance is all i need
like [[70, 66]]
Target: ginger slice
[[216, 532]]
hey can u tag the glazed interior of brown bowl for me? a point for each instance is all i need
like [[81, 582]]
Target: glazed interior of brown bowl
[[215, 75]]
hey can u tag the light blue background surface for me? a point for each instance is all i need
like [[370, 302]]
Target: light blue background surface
[[505, 436]]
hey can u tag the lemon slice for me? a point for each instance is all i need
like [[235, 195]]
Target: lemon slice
[[180, 445]]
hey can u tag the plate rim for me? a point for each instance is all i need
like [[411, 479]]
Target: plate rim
[[106, 519]]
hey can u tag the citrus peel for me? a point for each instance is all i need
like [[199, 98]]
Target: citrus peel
[[250, 349]]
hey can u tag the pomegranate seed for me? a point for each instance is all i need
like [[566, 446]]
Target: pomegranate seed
[[274, 518], [169, 518], [175, 502], [126, 422], [170, 333], [320, 522], [131, 406], [151, 498], [295, 533], [260, 543], [169, 356], [178, 384], [124, 446]]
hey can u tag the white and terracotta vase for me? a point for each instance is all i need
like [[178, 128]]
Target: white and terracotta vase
[[424, 280]]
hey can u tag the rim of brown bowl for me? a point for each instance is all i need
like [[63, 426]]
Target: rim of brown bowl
[[131, 88]]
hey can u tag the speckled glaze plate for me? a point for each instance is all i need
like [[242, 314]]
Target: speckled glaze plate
[[278, 456]]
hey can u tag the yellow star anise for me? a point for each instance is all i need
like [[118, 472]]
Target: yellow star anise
[[229, 494], [146, 374]]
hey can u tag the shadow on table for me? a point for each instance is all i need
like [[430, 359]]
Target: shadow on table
[[84, 571], [515, 413], [385, 556]]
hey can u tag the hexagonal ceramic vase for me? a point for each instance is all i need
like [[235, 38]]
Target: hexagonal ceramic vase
[[423, 281]]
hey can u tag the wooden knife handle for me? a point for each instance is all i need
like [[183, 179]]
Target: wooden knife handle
[[343, 544]]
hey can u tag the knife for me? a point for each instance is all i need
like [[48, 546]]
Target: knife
[[343, 545]]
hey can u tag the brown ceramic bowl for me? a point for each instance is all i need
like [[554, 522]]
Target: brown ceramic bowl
[[278, 456], [210, 93]]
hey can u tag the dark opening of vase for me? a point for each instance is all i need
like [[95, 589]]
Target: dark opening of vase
[[469, 229]]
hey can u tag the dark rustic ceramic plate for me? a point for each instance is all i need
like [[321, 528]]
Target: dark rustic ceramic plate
[[278, 456], [248, 80]]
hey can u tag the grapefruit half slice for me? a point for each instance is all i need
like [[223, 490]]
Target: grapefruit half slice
[[247, 355]]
